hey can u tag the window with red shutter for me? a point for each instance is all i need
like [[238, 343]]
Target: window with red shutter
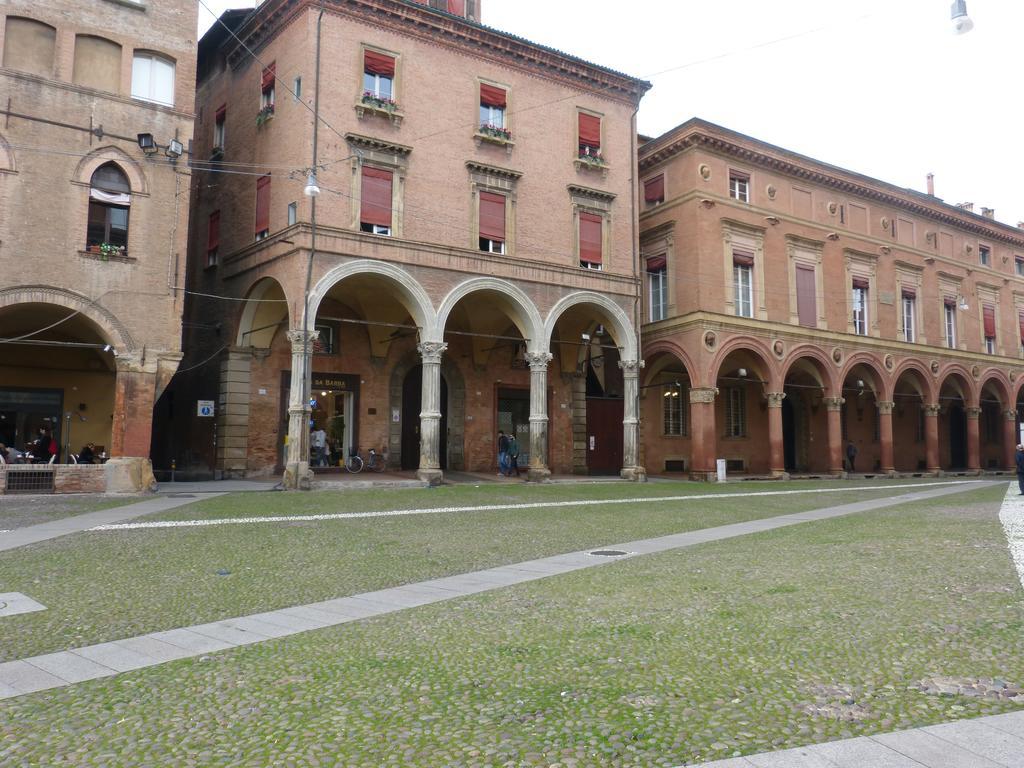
[[654, 190], [378, 78], [262, 207], [267, 82], [806, 296], [492, 222], [493, 103], [989, 315], [375, 209], [591, 245], [589, 135]]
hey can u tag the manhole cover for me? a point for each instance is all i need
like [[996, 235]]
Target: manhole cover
[[609, 553]]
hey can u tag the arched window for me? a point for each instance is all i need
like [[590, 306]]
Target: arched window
[[153, 78], [29, 46], [97, 63], [109, 200]]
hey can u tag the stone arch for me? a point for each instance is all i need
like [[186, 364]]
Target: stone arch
[[411, 294], [132, 169], [968, 390], [1002, 384], [114, 331], [255, 326], [518, 306], [820, 367], [668, 347], [456, 409], [924, 381], [7, 160], [882, 384], [614, 315], [750, 344]]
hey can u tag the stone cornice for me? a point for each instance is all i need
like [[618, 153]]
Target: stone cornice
[[698, 133], [419, 21], [596, 194], [493, 170], [376, 145]]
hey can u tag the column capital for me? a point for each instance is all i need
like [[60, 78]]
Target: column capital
[[538, 361], [834, 403], [1010, 415], [885, 407], [431, 351], [302, 341], [631, 367], [931, 409], [775, 399], [703, 394], [973, 412]]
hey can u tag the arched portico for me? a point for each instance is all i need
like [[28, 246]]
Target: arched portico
[[592, 339], [667, 436], [912, 393], [958, 426], [811, 441], [997, 422], [746, 401], [866, 416]]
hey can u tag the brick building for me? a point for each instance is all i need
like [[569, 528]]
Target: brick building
[[92, 229], [474, 266], [794, 308]]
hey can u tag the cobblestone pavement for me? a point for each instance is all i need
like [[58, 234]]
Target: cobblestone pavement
[[55, 670], [17, 511]]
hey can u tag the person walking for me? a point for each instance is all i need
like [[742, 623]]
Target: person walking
[[851, 455], [319, 442], [513, 455], [502, 453], [1020, 468]]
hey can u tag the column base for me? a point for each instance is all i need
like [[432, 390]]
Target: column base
[[838, 474], [538, 475], [634, 474], [298, 477], [703, 475], [127, 474], [432, 477], [780, 474]]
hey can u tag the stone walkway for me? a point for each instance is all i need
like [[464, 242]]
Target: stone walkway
[[32, 534], [1011, 515], [984, 742], [56, 670]]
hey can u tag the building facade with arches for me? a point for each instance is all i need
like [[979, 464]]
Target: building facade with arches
[[804, 319], [473, 264], [93, 231]]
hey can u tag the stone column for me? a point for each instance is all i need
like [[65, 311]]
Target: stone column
[[776, 452], [885, 436], [631, 469], [834, 409], [233, 412], [1010, 440], [129, 469], [430, 413], [931, 437], [703, 440], [538, 471], [297, 474], [973, 439]]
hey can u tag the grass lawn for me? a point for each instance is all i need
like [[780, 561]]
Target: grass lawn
[[111, 585], [21, 511], [809, 633]]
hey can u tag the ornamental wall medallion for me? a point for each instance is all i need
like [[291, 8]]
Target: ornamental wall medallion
[[705, 171], [935, 367], [771, 191], [837, 355], [890, 362], [779, 348], [710, 339], [976, 371], [833, 207]]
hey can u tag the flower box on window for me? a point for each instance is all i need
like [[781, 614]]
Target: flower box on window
[[372, 104], [591, 159], [494, 134], [265, 114]]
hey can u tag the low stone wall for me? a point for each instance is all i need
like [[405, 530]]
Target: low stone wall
[[53, 478]]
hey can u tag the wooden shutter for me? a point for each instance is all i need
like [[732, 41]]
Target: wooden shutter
[[492, 216], [590, 130], [379, 64], [590, 238], [376, 197], [949, 301], [263, 203], [269, 73], [213, 232], [988, 313], [221, 114], [656, 263], [492, 96], [654, 189], [908, 292], [861, 282], [741, 257], [806, 296]]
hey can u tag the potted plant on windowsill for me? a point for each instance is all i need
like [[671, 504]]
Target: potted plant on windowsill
[[371, 104], [107, 250], [591, 158], [494, 134], [379, 102], [265, 114]]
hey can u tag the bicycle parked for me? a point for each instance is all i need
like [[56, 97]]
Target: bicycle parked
[[355, 464]]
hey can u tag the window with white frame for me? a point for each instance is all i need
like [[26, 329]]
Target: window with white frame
[[739, 186], [493, 103], [860, 306], [1018, 266], [293, 213], [743, 281], [949, 319], [379, 76], [988, 316], [297, 88], [153, 78], [219, 133], [985, 255], [657, 288], [909, 306], [735, 412], [268, 83], [674, 409]]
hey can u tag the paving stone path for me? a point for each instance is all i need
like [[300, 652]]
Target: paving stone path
[[1011, 515], [31, 534], [56, 670]]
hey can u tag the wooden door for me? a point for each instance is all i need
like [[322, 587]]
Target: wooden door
[[604, 435]]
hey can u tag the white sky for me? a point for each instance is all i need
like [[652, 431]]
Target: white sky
[[880, 87]]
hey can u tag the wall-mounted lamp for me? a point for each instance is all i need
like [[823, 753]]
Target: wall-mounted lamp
[[585, 336], [742, 373], [148, 144], [962, 23], [312, 189], [962, 303], [106, 347], [174, 149]]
